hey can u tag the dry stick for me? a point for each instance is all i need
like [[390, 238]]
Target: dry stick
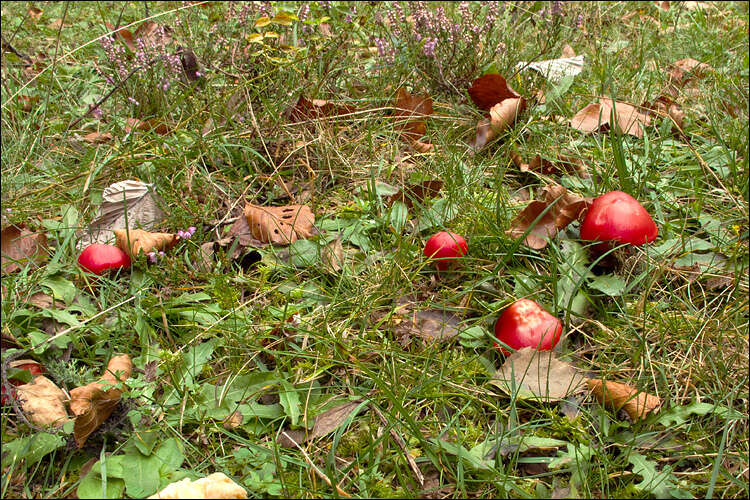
[[319, 472], [401, 444], [7, 46]]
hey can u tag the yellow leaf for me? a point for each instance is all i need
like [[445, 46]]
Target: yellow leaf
[[284, 18], [262, 21], [255, 38]]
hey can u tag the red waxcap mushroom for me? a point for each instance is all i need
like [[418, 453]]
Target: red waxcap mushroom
[[98, 258], [525, 324], [445, 247], [618, 217]]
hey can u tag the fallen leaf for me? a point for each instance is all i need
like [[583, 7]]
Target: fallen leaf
[[537, 375], [555, 70], [567, 51], [98, 137], [502, 116], [315, 109], [489, 90], [56, 24], [233, 421], [597, 117], [565, 208], [35, 13], [80, 397], [21, 246], [44, 301], [124, 34], [43, 401], [28, 102], [333, 255], [216, 485], [682, 71], [291, 438], [541, 165], [332, 419], [190, 64], [92, 404], [134, 241], [133, 200], [280, 225], [154, 124], [615, 395], [416, 193], [432, 325]]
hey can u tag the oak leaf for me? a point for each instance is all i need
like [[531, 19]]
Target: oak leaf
[[615, 395], [306, 109], [537, 374], [502, 116], [280, 225], [489, 90], [134, 241], [80, 397], [411, 111], [564, 208]]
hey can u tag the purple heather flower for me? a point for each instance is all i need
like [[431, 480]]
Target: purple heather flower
[[97, 113], [152, 257], [192, 230], [134, 101], [161, 253], [579, 21]]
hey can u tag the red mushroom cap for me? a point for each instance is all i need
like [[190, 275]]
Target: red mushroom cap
[[97, 258], [525, 324], [445, 246], [617, 216]]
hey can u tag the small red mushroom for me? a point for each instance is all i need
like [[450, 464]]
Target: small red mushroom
[[445, 247], [98, 258], [617, 217], [525, 324]]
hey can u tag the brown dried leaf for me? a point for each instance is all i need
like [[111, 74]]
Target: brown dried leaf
[[502, 116], [143, 241], [154, 124], [280, 225], [233, 421], [431, 325], [80, 397], [537, 375], [568, 208], [331, 419], [567, 51], [216, 485], [101, 406], [490, 90], [597, 117], [288, 438], [19, 246], [416, 193], [35, 13], [56, 24], [684, 70], [412, 129], [98, 137], [241, 229], [124, 34], [333, 255], [540, 165], [44, 301], [43, 401], [315, 109], [615, 395]]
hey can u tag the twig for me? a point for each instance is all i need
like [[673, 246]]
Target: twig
[[319, 472], [401, 444], [7, 46]]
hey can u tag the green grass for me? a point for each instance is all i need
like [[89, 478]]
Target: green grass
[[668, 333]]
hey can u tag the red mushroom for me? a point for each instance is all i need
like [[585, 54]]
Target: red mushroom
[[525, 324], [98, 258], [618, 217], [445, 247]]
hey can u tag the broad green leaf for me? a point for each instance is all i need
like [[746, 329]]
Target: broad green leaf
[[145, 441], [608, 284], [661, 484], [678, 415], [142, 478], [61, 288], [290, 401], [398, 216], [304, 253], [31, 448], [169, 454], [474, 337], [464, 454], [247, 386], [92, 486], [257, 410]]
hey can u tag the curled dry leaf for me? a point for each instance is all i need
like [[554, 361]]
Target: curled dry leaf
[[489, 90], [564, 208], [502, 116], [18, 246], [306, 109], [537, 374], [331, 419], [597, 117], [133, 200], [333, 255], [280, 225], [541, 165], [216, 485], [615, 395], [134, 241], [432, 325], [92, 405], [416, 193], [43, 402], [154, 124], [98, 137], [411, 111], [679, 74], [80, 397]]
